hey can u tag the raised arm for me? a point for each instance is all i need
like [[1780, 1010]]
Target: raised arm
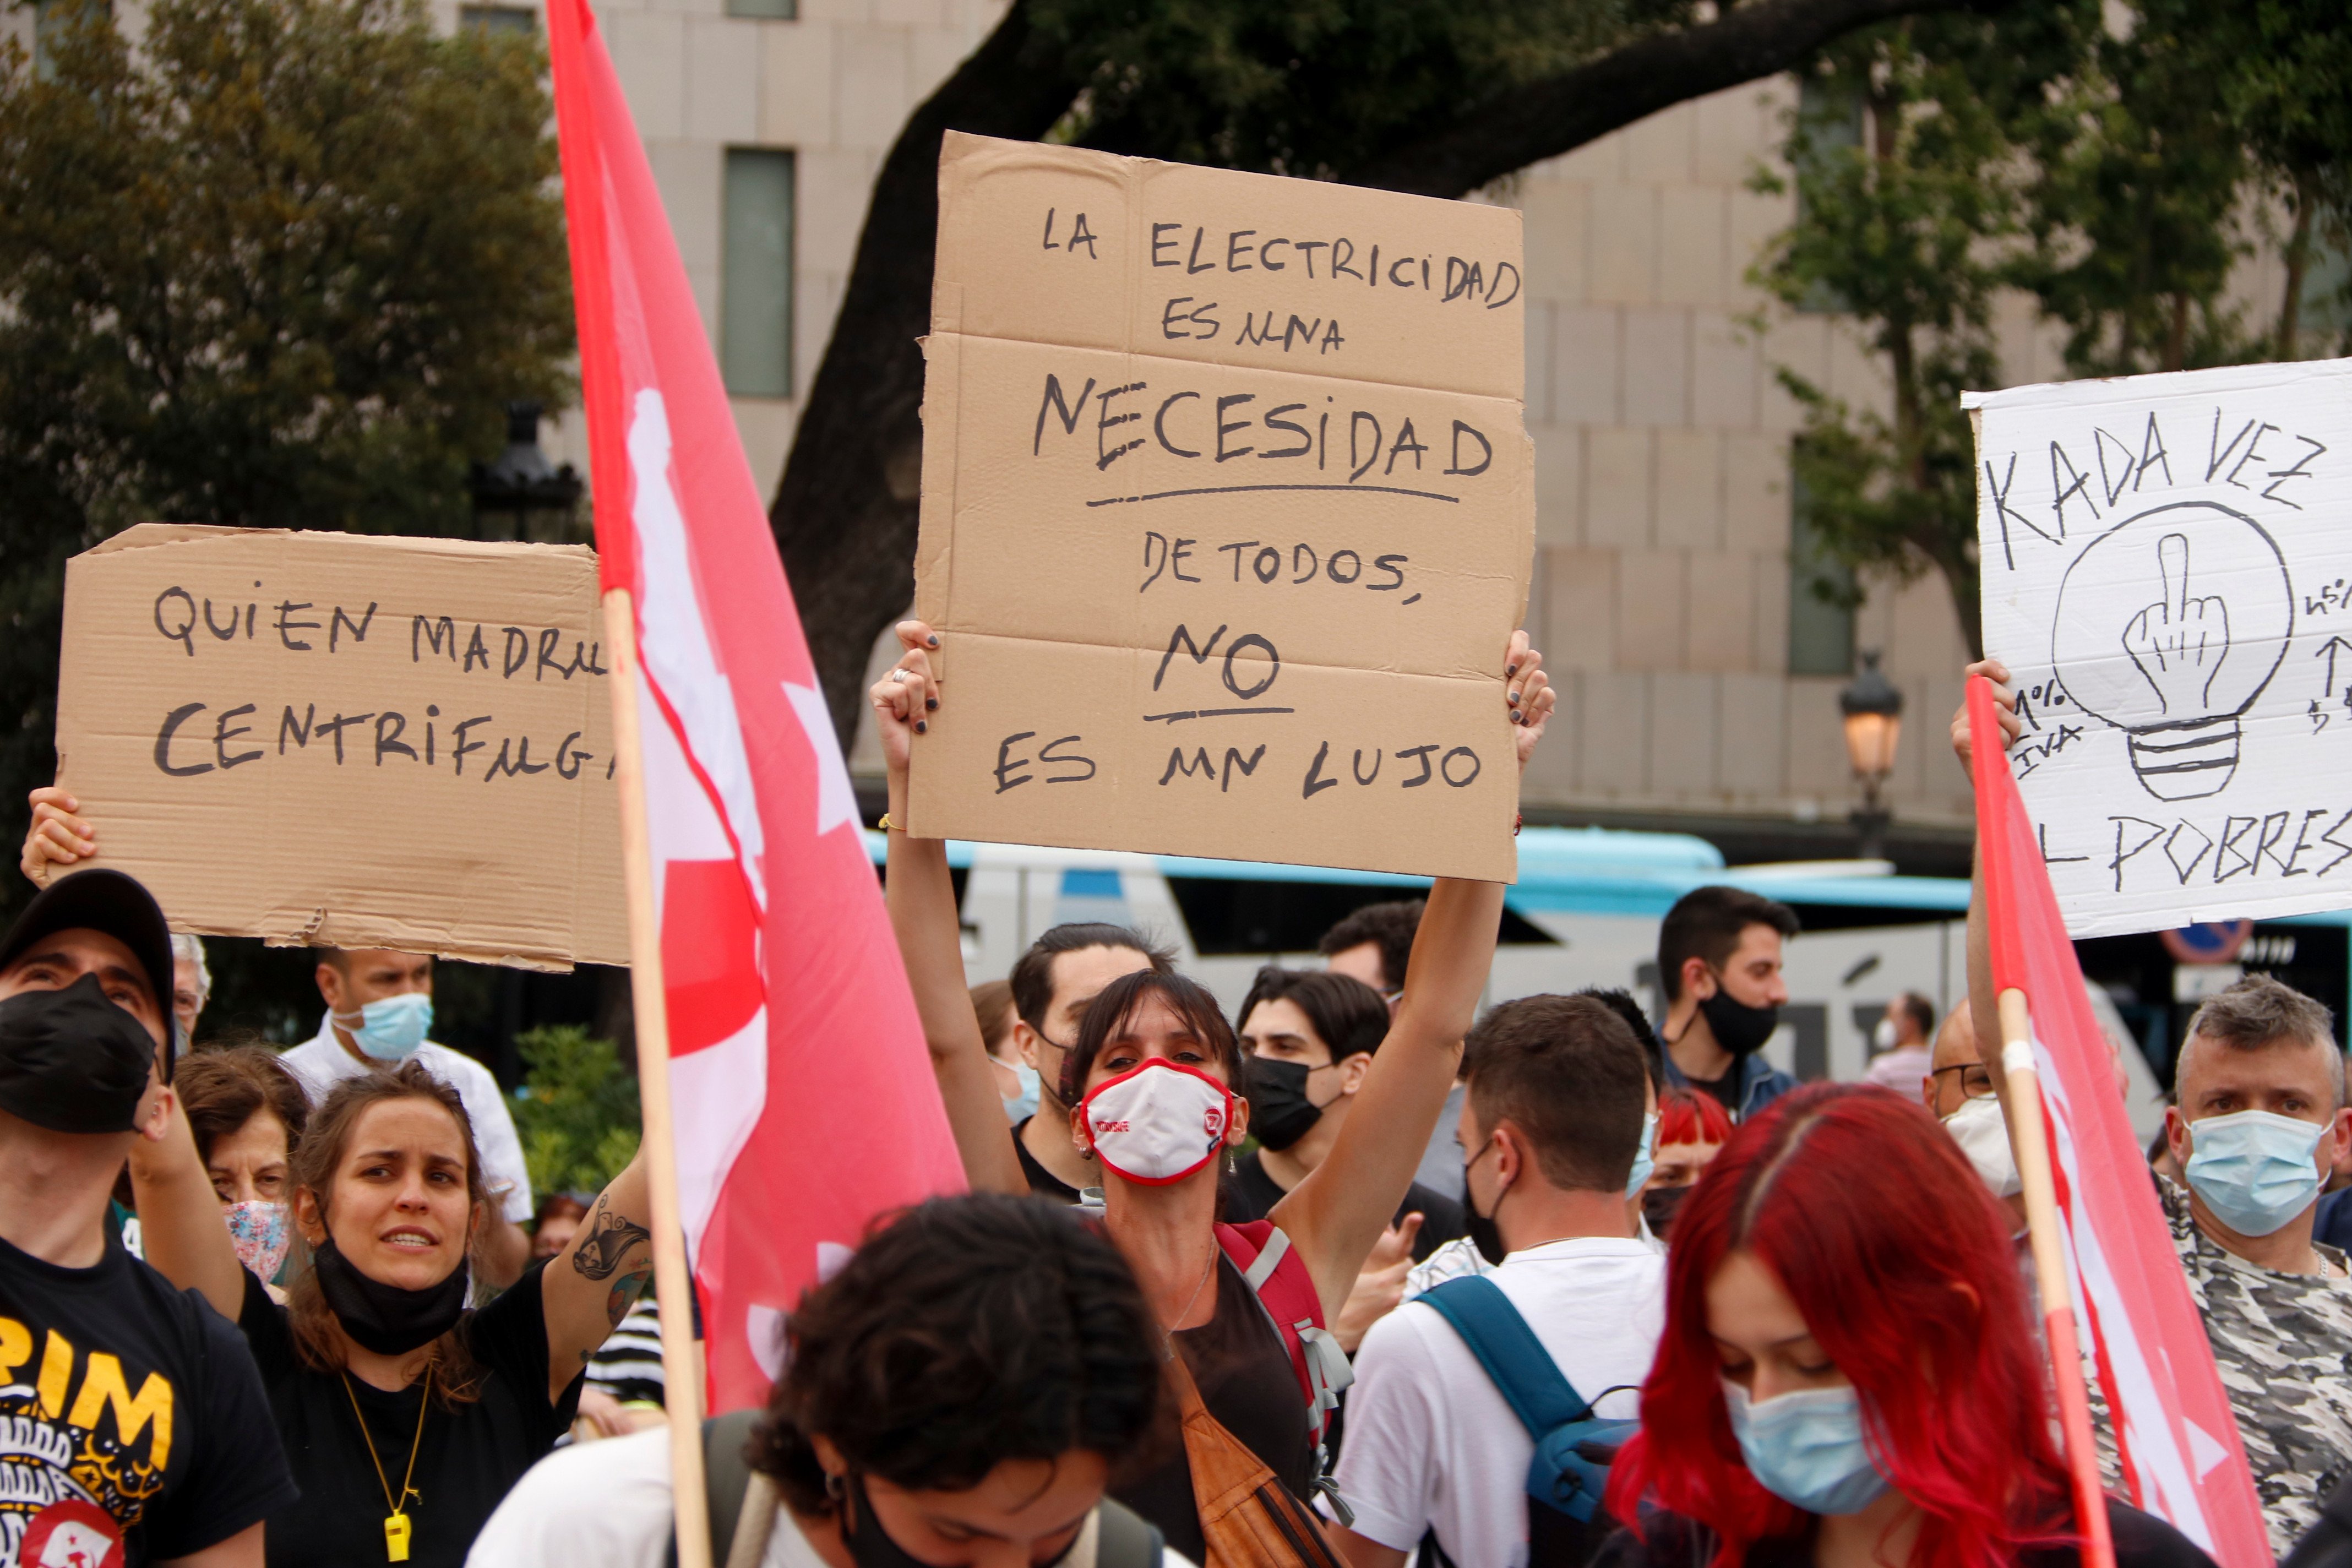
[[180, 1224], [921, 897], [590, 1285], [1337, 1212]]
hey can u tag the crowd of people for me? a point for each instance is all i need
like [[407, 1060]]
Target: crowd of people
[[1353, 1276]]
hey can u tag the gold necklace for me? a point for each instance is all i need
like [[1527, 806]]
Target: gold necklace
[[1168, 1334], [396, 1522]]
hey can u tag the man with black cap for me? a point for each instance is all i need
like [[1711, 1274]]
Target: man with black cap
[[132, 1426]]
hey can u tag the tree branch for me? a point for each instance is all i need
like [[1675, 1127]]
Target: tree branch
[[1545, 119], [844, 515]]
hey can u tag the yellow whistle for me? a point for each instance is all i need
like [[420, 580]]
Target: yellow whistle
[[396, 1538]]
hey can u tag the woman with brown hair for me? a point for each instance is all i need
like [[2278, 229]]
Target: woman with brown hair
[[246, 1114], [406, 1416]]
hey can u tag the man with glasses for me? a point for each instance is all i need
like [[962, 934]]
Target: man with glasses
[[1053, 983], [1960, 1090]]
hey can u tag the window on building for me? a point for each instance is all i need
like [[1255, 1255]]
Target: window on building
[[766, 10], [1821, 596], [1831, 113], [755, 285], [498, 19]]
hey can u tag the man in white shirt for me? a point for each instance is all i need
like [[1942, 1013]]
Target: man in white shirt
[[1554, 1127], [379, 1010]]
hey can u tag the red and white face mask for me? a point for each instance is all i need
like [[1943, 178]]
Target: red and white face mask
[[1158, 1121]]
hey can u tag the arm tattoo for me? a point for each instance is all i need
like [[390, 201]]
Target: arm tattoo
[[609, 1241], [625, 1290]]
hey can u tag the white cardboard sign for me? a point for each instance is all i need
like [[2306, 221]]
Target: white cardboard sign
[[2168, 574]]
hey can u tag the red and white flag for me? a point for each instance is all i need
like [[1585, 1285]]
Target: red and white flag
[[804, 1095], [2174, 1429]]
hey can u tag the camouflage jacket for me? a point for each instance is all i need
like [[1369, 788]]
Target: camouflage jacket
[[2283, 1344]]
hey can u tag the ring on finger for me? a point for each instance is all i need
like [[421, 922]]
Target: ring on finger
[[898, 675]]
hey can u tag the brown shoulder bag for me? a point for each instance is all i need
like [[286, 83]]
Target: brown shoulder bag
[[1248, 1517]]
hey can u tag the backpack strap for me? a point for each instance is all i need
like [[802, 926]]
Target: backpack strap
[[1515, 1360], [1286, 1296], [735, 1497], [1124, 1539]]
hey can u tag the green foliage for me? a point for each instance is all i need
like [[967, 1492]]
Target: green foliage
[[1318, 86], [2104, 170], [282, 266], [577, 1111]]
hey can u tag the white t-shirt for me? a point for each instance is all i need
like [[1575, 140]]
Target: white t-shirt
[[1432, 1443], [607, 1505], [321, 1062]]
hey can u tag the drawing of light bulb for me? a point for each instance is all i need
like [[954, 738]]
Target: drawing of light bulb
[[2167, 627]]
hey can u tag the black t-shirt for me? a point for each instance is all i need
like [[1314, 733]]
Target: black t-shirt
[[1251, 1194], [127, 1410], [1724, 1091], [1246, 1381], [1670, 1541], [1042, 1181], [469, 1457]]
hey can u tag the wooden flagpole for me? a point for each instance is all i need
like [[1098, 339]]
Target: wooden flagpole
[[2031, 1138], [681, 1361]]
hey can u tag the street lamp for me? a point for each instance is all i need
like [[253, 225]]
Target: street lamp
[[1874, 724], [521, 496]]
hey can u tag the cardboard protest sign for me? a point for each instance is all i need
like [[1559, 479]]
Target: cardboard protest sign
[[2168, 574], [350, 740], [1227, 514]]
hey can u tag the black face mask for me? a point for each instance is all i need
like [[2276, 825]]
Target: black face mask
[[72, 1061], [1738, 1027], [384, 1318], [871, 1547], [1659, 1206], [1480, 1228], [1280, 1113]]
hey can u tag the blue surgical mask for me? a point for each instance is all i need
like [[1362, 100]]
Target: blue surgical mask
[[1023, 1106], [1807, 1448], [390, 1028], [2255, 1171], [1645, 1161]]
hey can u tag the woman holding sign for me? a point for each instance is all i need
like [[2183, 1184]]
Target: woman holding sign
[[1158, 1084], [406, 1415]]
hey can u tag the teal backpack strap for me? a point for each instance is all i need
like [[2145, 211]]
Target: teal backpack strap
[[1521, 1369]]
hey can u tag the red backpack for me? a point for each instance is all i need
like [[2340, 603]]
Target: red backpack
[[1286, 1295]]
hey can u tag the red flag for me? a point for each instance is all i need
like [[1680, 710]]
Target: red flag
[[804, 1102], [2174, 1427]]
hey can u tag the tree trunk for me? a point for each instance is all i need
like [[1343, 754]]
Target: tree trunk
[[2298, 261], [845, 517]]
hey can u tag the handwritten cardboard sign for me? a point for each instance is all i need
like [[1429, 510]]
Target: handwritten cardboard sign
[[1227, 514], [350, 740], [2168, 572]]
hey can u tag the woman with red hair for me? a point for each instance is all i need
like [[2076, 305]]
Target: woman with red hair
[[1847, 1379]]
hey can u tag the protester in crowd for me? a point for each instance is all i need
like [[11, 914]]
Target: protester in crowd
[[1153, 1073], [1847, 1378], [375, 1350], [1374, 945], [192, 983], [1558, 1129], [1053, 985], [1959, 1092], [1310, 1035], [1901, 1045], [960, 1394], [1692, 1130], [2258, 1121], [137, 1431], [1719, 963], [554, 1224], [379, 1012], [246, 1115], [1017, 1081]]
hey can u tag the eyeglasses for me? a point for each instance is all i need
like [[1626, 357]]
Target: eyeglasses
[[1976, 1083]]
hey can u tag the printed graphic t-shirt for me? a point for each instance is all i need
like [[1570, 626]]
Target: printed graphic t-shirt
[[129, 1412], [467, 1458]]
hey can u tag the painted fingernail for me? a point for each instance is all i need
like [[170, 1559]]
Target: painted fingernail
[[1510, 669], [1518, 718], [921, 727], [930, 702], [934, 640], [1515, 699]]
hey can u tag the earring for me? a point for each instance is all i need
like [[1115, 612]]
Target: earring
[[832, 1486]]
